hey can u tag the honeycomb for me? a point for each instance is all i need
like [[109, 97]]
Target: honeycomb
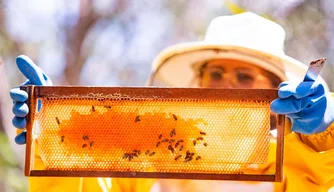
[[152, 135]]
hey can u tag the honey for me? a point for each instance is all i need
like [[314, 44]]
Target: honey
[[160, 136]]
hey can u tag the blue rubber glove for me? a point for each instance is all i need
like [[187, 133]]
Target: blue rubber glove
[[35, 76], [307, 104]]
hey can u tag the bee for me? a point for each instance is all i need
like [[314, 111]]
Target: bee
[[152, 153], [165, 140], [137, 119], [157, 145], [171, 141], [57, 120], [138, 152], [125, 155], [160, 136], [188, 153], [147, 152], [198, 158], [107, 106], [135, 150], [188, 159], [91, 143], [180, 141], [202, 133], [84, 145], [178, 157], [62, 138], [85, 137], [172, 133], [205, 144], [181, 148], [170, 147], [134, 154], [130, 157], [175, 117], [200, 139], [194, 142], [93, 108], [177, 144]]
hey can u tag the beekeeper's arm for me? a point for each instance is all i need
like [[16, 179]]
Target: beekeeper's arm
[[309, 149]]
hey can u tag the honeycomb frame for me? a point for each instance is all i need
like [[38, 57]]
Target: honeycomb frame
[[151, 93]]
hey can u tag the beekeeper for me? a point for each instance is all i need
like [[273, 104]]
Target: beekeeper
[[239, 51]]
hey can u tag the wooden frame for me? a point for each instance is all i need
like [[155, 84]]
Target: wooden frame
[[35, 92]]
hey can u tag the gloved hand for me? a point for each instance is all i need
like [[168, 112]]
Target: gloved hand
[[307, 104], [35, 76]]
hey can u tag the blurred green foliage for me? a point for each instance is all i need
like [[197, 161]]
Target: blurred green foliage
[[11, 175]]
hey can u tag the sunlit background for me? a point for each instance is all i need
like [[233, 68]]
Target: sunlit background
[[113, 42]]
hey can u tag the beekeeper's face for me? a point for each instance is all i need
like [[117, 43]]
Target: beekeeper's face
[[235, 74]]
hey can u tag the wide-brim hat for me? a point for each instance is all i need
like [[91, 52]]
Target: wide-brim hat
[[246, 37]]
